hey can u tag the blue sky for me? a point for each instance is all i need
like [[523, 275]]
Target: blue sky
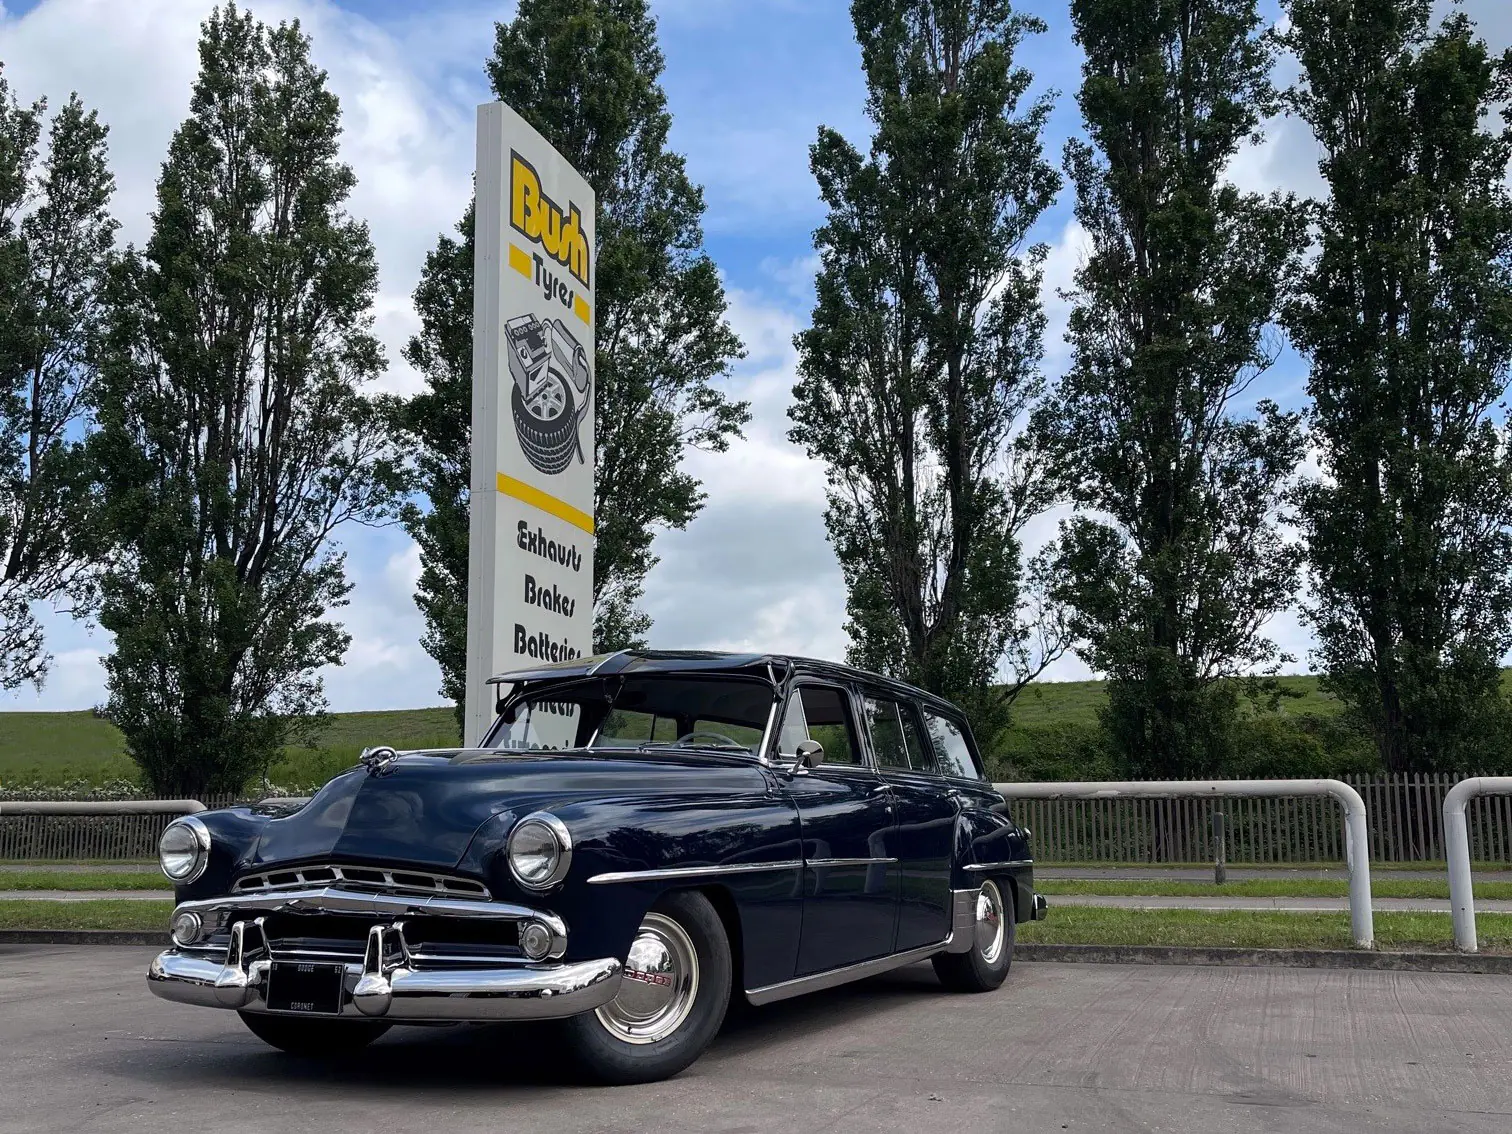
[[748, 83]]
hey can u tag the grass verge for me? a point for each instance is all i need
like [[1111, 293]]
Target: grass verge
[[1070, 926], [1256, 929], [81, 880], [120, 913], [1431, 866], [1265, 888]]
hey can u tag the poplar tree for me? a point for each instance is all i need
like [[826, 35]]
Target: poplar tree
[[923, 354], [586, 74], [56, 235], [234, 436], [1176, 561], [1406, 318]]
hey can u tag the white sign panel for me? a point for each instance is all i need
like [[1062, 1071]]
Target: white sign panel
[[530, 568]]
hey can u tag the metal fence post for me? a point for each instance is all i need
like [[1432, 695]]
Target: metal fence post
[[1457, 850], [1220, 850]]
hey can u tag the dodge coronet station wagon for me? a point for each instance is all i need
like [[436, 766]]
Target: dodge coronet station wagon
[[639, 837]]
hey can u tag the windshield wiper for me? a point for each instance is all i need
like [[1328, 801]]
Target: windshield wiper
[[731, 746]]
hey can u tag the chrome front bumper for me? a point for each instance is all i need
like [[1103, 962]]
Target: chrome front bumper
[[390, 982]]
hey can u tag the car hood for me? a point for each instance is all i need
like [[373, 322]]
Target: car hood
[[425, 809]]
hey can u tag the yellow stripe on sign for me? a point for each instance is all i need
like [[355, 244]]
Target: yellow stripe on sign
[[580, 308], [533, 496], [520, 261]]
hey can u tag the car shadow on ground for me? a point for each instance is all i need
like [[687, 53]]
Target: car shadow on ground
[[411, 1059]]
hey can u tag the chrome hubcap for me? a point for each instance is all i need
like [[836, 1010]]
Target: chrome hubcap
[[989, 923], [658, 986]]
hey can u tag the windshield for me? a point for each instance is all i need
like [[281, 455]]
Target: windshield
[[639, 712]]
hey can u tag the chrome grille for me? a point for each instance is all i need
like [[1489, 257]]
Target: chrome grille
[[361, 878]]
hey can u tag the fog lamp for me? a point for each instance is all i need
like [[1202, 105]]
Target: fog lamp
[[535, 940], [186, 928]]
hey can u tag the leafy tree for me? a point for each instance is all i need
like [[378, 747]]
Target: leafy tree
[[1406, 317], [234, 438], [56, 235], [1177, 563], [925, 346], [586, 74]]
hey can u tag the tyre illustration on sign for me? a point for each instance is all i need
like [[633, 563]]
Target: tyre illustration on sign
[[552, 391]]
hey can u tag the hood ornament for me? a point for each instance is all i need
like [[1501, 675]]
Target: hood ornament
[[376, 760]]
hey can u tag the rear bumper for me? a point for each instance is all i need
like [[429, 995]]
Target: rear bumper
[[1038, 908], [529, 992]]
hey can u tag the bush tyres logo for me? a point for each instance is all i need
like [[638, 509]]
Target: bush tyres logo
[[559, 235]]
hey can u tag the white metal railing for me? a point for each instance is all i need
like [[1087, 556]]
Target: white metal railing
[[1457, 850], [1356, 826], [101, 807]]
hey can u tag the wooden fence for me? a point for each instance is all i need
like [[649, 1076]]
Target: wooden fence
[[82, 838], [1406, 825], [1405, 811]]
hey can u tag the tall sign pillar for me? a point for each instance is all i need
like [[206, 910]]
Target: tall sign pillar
[[530, 551]]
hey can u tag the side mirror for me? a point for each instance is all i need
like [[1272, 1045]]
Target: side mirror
[[810, 754]]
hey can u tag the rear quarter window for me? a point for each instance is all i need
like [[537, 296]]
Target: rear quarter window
[[952, 752]]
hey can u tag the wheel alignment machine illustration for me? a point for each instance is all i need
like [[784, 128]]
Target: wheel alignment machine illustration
[[551, 392]]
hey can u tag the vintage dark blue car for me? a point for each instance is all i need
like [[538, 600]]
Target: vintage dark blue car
[[640, 836]]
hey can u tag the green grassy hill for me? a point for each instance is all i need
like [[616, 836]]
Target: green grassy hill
[[57, 748], [1056, 702]]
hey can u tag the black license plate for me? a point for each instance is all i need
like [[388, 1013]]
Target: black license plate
[[309, 989]]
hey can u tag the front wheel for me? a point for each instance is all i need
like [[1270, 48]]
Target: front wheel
[[671, 1001], [985, 965], [299, 1035]]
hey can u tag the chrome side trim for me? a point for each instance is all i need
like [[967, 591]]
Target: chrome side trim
[[844, 975], [850, 861], [692, 872], [1007, 865]]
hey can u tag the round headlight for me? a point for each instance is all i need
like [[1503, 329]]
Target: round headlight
[[540, 851], [184, 850]]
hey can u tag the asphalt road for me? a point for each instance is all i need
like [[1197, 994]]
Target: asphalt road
[[1060, 1047]]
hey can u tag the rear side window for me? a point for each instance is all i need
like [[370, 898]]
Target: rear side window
[[895, 736], [951, 751], [819, 712]]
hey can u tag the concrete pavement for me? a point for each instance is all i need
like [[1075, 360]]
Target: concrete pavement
[[1060, 1047]]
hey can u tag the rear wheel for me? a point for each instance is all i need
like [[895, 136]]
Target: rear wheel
[[985, 965], [312, 1037], [671, 1000]]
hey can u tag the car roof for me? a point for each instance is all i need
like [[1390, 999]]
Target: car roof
[[709, 661]]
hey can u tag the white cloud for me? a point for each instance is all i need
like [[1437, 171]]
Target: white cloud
[[408, 122], [408, 134]]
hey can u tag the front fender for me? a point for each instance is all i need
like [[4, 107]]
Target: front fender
[[636, 834]]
